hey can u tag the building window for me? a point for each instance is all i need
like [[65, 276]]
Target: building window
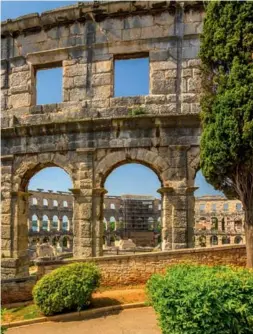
[[45, 202], [65, 204], [238, 206], [225, 207], [213, 207], [34, 201], [112, 206], [49, 85], [202, 207], [55, 203], [135, 72], [159, 207]]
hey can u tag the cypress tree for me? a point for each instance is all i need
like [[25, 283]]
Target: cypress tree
[[226, 53]]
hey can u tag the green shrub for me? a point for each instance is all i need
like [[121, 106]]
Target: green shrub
[[191, 299], [68, 288], [136, 111]]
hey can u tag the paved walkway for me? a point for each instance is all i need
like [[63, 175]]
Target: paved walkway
[[133, 321]]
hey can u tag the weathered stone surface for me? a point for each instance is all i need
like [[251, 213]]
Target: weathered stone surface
[[72, 133]]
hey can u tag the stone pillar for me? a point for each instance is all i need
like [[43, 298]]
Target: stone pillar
[[40, 219], [82, 217], [98, 220], [59, 224], [177, 217]]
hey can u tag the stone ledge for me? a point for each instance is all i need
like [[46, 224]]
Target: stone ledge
[[19, 280], [145, 255]]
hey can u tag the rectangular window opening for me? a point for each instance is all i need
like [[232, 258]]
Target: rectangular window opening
[[49, 85], [131, 75]]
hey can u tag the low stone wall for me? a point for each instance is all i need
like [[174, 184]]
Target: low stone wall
[[136, 269], [15, 290], [128, 269]]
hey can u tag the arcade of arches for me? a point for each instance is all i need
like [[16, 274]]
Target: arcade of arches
[[92, 132]]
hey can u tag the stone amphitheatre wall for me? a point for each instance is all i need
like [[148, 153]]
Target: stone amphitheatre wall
[[130, 270]]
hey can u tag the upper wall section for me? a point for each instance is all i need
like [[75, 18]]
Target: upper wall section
[[85, 39]]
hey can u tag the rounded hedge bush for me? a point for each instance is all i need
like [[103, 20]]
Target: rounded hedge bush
[[191, 299], [68, 288]]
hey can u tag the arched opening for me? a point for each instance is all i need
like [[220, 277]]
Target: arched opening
[[42, 187], [238, 240], [214, 240], [35, 223], [225, 240], [65, 223], [55, 223], [211, 207], [136, 204], [45, 223], [65, 204]]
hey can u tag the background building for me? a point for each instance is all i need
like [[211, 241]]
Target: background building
[[218, 221]]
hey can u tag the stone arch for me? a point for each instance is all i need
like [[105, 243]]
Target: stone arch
[[141, 156], [27, 166]]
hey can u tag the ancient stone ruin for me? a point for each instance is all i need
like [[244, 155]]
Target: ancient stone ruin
[[91, 132]]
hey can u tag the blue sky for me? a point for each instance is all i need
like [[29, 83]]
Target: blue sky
[[131, 78]]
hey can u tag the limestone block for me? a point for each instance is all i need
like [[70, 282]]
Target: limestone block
[[138, 21], [77, 94], [3, 80], [80, 81], [20, 68], [189, 97], [193, 16], [184, 86], [171, 98], [85, 230], [19, 100], [163, 65], [185, 108], [19, 78], [168, 109], [75, 70], [194, 85], [187, 72], [102, 66], [190, 28], [68, 82], [163, 86], [164, 18], [127, 101], [155, 99], [131, 34], [194, 63], [170, 74], [5, 231], [190, 52], [154, 32], [179, 235], [19, 89], [158, 75], [102, 79], [100, 103], [102, 91]]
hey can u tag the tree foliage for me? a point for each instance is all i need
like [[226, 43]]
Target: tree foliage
[[227, 100]]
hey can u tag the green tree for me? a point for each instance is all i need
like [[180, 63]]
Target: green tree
[[226, 53]]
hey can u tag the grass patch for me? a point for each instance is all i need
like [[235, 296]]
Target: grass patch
[[104, 296]]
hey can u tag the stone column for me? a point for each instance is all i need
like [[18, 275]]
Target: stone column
[[59, 224], [177, 217], [39, 224], [98, 220], [82, 217], [167, 217]]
